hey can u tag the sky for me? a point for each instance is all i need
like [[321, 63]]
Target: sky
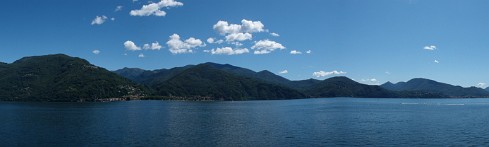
[[372, 41]]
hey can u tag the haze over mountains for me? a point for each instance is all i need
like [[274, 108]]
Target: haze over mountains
[[64, 78]]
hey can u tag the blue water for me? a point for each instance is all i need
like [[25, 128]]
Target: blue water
[[307, 122]]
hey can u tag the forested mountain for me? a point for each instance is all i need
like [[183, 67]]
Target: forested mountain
[[61, 78], [203, 80], [345, 87], [206, 82], [427, 85]]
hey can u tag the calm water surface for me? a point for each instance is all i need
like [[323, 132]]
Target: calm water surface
[[308, 122]]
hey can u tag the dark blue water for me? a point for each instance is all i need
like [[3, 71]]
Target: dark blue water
[[308, 122]]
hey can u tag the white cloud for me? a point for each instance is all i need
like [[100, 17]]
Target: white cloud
[[249, 26], [177, 46], [236, 43], [213, 40], [113, 19], [219, 41], [324, 73], [153, 46], [210, 40], [129, 45], [266, 46], [228, 51], [283, 72], [387, 72], [96, 52], [295, 52], [141, 55], [118, 8], [99, 20], [436, 61], [482, 85], [246, 26], [238, 37], [430, 47], [308, 51], [155, 8], [275, 34], [371, 81]]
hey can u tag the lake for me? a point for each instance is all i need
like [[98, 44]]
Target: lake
[[306, 122]]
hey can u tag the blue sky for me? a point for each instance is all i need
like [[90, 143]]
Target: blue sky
[[385, 40]]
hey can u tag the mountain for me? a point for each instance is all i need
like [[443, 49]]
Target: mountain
[[303, 84], [264, 75], [150, 76], [345, 87], [61, 78], [487, 89], [427, 85], [131, 73], [206, 82]]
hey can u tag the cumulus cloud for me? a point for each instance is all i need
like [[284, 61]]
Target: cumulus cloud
[[238, 37], [210, 40], [371, 81], [308, 51], [430, 47], [153, 46], [436, 61], [275, 34], [141, 55], [129, 45], [99, 20], [96, 52], [295, 52], [266, 46], [246, 26], [118, 8], [324, 73], [177, 46], [213, 40], [482, 85], [155, 8], [283, 72], [236, 43], [228, 51]]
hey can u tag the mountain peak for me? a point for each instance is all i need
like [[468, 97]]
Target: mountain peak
[[340, 78], [59, 77], [50, 58], [265, 72]]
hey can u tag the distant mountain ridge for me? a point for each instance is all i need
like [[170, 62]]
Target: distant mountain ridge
[[63, 78], [427, 85], [333, 87]]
